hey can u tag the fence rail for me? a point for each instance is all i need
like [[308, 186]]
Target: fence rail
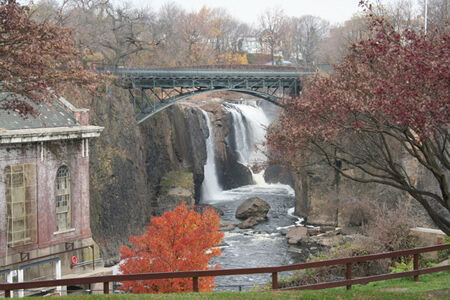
[[195, 275]]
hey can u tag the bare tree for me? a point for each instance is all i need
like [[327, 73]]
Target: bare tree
[[272, 28], [307, 33], [114, 32], [334, 46], [438, 14], [52, 11], [402, 14]]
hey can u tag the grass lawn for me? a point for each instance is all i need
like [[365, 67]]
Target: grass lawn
[[430, 286]]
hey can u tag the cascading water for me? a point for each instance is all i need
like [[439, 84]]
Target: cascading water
[[264, 245], [210, 186], [250, 123]]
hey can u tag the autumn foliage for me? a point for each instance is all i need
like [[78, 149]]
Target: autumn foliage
[[387, 101], [179, 240], [36, 60]]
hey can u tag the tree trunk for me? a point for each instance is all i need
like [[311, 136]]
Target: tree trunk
[[438, 213], [271, 54]]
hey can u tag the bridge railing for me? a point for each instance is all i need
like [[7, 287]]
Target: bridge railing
[[195, 275], [112, 69]]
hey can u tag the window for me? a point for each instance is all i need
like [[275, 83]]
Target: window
[[20, 195], [62, 199]]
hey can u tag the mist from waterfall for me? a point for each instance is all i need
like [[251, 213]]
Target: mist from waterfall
[[210, 186], [249, 125]]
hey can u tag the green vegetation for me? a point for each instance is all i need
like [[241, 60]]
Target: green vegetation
[[444, 254], [177, 179], [430, 286]]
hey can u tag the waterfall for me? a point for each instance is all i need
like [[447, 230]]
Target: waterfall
[[249, 125], [210, 186]]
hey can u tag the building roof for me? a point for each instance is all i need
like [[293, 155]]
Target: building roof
[[56, 120], [52, 113]]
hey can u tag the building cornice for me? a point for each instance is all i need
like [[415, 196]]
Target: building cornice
[[48, 134]]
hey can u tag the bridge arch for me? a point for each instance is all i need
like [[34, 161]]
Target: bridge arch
[[150, 111], [158, 89]]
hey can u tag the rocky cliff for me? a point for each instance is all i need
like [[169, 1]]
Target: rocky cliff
[[139, 171]]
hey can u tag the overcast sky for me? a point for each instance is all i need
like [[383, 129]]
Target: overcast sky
[[335, 11]]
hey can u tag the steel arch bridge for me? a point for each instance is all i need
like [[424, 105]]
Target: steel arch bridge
[[154, 90]]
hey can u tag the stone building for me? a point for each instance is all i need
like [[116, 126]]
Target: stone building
[[44, 189]]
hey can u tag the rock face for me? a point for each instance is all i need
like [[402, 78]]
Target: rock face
[[176, 187], [174, 140], [253, 207], [120, 202], [140, 171], [278, 174], [231, 174]]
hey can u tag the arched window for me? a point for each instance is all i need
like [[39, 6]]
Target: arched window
[[63, 199]]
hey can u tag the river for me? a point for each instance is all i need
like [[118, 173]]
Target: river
[[263, 245]]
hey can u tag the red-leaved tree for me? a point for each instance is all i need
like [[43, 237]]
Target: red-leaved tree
[[37, 61], [384, 109], [179, 240]]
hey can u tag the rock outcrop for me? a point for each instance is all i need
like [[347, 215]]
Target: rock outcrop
[[231, 174], [278, 174], [175, 188], [296, 234]]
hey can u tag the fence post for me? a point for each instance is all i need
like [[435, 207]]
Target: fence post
[[348, 274], [7, 294], [106, 287], [416, 266], [274, 280], [195, 283]]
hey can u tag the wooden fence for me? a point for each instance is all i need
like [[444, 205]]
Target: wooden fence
[[195, 275]]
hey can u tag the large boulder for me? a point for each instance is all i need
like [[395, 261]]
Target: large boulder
[[253, 207]]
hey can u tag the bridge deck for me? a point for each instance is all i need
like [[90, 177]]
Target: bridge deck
[[189, 78]]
